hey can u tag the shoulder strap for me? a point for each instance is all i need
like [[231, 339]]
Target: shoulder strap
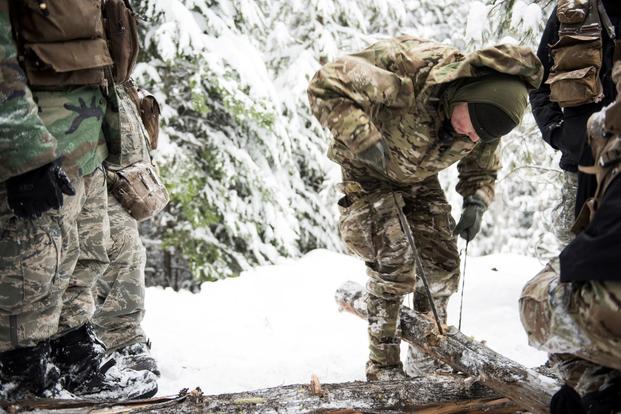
[[610, 28]]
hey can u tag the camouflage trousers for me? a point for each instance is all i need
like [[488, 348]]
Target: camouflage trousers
[[119, 293], [563, 216], [371, 229], [44, 289], [579, 323]]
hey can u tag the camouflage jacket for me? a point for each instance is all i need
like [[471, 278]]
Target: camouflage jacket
[[38, 126], [391, 92]]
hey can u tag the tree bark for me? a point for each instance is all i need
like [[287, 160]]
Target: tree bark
[[424, 395], [524, 386]]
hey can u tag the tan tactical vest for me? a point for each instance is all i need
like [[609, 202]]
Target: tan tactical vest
[[577, 56], [74, 42]]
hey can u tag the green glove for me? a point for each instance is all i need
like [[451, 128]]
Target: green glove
[[471, 216], [375, 157]]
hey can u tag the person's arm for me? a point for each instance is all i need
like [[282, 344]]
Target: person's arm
[[548, 114], [477, 173], [345, 94], [594, 253], [25, 142]]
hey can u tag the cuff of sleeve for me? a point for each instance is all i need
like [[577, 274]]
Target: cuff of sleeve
[[553, 134], [479, 198]]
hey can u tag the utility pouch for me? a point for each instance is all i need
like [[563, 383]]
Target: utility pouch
[[149, 110], [577, 56], [150, 114], [572, 11], [132, 177], [122, 32], [62, 44], [139, 189]]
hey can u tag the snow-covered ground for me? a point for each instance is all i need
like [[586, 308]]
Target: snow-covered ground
[[279, 324]]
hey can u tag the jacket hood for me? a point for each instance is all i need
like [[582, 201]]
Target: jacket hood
[[507, 59]]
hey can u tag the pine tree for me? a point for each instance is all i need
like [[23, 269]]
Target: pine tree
[[242, 155]]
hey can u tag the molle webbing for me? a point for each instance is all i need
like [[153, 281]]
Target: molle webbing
[[578, 56]]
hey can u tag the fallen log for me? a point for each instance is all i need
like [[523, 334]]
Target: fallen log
[[524, 386], [450, 394]]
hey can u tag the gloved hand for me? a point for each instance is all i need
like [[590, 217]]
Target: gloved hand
[[375, 157], [471, 216], [555, 132], [35, 192]]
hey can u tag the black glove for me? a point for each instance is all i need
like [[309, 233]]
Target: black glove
[[374, 157], [556, 135], [471, 216], [35, 192]]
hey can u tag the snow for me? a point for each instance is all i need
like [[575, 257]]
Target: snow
[[477, 18], [279, 324]]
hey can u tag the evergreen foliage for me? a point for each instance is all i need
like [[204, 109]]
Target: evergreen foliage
[[243, 157]]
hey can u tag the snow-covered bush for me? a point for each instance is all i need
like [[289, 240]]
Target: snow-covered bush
[[241, 154]]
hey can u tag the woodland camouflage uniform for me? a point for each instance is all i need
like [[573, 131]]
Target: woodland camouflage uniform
[[53, 111], [392, 92], [39, 256]]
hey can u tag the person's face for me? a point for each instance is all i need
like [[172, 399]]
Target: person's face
[[460, 120]]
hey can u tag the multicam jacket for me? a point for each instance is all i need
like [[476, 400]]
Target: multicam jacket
[[391, 92], [41, 124]]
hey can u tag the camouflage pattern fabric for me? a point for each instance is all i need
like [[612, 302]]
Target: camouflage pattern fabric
[[370, 227], [579, 321], [38, 258], [40, 126], [391, 92], [128, 139], [120, 291], [563, 216], [93, 235]]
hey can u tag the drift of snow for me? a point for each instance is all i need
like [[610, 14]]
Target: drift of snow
[[279, 324]]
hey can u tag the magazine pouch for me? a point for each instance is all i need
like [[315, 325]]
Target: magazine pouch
[[139, 189], [62, 44]]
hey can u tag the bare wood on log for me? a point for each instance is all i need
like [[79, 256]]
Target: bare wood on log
[[524, 386], [315, 386], [437, 394]]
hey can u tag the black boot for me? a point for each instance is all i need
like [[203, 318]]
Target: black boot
[[79, 355], [26, 372], [137, 357]]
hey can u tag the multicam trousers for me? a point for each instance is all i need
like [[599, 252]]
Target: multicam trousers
[[119, 293], [563, 216], [580, 323], [44, 291], [370, 227]]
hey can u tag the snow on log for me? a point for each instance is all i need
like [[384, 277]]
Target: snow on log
[[423, 395], [526, 387]]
